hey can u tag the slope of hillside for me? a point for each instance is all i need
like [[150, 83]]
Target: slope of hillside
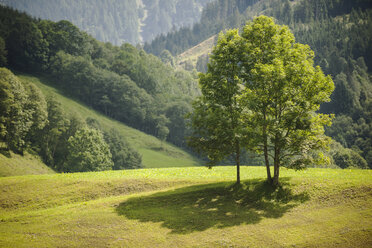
[[154, 152], [116, 21], [187, 207], [17, 165], [191, 55]]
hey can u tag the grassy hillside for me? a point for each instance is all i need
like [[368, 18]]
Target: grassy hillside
[[154, 153], [187, 207], [16, 165], [191, 55]]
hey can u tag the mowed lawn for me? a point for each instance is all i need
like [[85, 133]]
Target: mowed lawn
[[187, 207]]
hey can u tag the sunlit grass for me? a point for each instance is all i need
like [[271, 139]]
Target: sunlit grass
[[187, 207]]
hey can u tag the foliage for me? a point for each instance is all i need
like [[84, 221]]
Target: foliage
[[123, 82], [123, 155], [216, 120], [3, 53], [19, 114], [347, 158], [261, 88], [339, 33], [88, 151]]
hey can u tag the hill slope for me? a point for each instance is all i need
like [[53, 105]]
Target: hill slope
[[154, 152], [187, 207], [17, 165]]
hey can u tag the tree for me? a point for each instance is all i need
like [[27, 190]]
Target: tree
[[88, 151], [15, 116], [3, 53], [216, 118], [282, 91], [261, 91], [123, 156]]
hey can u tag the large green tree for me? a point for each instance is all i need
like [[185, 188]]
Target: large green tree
[[282, 92], [262, 91]]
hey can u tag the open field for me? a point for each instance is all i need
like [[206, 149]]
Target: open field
[[154, 152], [187, 207]]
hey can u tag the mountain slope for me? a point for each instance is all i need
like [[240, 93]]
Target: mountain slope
[[131, 21], [155, 153]]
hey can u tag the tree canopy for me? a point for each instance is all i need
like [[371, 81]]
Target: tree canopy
[[262, 90]]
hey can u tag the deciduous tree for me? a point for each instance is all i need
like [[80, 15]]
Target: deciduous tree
[[216, 118], [282, 92]]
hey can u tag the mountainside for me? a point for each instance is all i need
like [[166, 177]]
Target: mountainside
[[154, 152], [124, 83], [132, 21]]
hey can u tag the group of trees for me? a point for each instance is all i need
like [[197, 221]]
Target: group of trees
[[261, 92], [124, 82], [29, 121]]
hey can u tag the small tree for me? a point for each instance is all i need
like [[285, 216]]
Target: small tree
[[88, 151], [216, 118]]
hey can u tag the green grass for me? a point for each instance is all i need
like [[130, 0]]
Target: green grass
[[187, 207], [16, 165], [154, 152]]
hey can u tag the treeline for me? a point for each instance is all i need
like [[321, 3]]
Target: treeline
[[66, 143], [117, 21], [122, 82]]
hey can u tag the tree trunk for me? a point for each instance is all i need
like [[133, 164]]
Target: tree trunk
[[266, 155], [275, 181], [237, 160]]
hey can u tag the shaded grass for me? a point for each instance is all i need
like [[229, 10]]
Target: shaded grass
[[147, 145], [221, 205]]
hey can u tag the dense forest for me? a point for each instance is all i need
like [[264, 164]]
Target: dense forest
[[117, 21]]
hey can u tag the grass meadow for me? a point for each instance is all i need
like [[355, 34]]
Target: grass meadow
[[187, 207]]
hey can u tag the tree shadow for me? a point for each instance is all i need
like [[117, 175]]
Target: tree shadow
[[220, 205]]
